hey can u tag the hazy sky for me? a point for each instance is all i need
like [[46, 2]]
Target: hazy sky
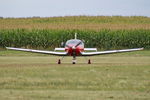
[[46, 8]]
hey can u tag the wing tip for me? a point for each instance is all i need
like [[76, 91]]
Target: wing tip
[[7, 47], [141, 48]]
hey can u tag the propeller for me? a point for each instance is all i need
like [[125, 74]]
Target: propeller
[[78, 44], [68, 46]]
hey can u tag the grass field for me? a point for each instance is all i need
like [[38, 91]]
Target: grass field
[[28, 76]]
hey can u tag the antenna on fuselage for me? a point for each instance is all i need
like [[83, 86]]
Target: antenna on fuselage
[[75, 36]]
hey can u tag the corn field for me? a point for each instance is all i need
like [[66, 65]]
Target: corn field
[[49, 39]]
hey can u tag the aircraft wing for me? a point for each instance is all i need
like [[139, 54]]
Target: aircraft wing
[[109, 52], [39, 51]]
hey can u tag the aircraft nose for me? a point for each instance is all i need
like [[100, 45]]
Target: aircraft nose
[[73, 47]]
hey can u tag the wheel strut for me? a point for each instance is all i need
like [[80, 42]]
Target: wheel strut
[[74, 60]]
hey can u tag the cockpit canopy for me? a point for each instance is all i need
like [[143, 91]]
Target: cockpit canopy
[[74, 42]]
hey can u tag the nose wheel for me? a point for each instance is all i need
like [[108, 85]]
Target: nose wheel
[[74, 61]]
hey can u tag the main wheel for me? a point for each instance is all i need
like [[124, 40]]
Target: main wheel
[[89, 61], [59, 61]]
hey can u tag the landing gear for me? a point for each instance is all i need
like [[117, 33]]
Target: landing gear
[[59, 61], [89, 61], [74, 60]]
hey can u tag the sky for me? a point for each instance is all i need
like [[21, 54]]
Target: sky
[[52, 8]]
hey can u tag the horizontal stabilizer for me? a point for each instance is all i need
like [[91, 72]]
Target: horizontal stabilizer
[[59, 49], [90, 49]]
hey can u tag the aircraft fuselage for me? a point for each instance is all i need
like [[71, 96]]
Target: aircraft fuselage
[[74, 47]]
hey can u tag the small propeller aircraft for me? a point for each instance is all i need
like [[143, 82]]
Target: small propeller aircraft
[[75, 47]]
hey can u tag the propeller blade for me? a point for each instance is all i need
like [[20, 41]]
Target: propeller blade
[[68, 46], [78, 44]]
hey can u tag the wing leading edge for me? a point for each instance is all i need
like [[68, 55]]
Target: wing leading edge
[[109, 52], [39, 51]]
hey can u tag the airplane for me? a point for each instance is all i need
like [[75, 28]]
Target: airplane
[[74, 48]]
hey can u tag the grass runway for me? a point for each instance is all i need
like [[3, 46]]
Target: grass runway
[[27, 76]]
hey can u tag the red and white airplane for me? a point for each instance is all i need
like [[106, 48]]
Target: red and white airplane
[[75, 47]]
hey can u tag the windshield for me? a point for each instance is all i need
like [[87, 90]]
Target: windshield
[[74, 42]]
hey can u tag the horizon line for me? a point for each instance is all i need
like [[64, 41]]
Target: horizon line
[[1, 17]]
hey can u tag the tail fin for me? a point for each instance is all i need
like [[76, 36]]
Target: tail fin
[[75, 36]]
